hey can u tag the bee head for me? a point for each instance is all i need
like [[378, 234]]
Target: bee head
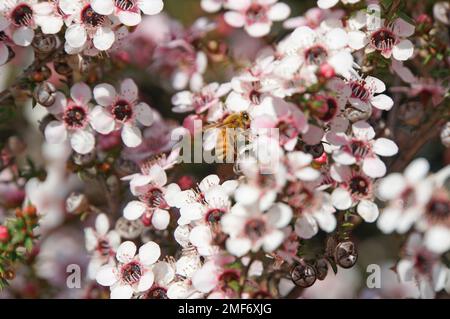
[[245, 117]]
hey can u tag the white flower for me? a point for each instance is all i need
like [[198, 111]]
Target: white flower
[[207, 98], [363, 149], [88, 25], [19, 15], [362, 94], [422, 267], [355, 189], [121, 111], [133, 274], [388, 40], [128, 11], [306, 50], [312, 208], [73, 119], [406, 194], [250, 229], [101, 242], [256, 16]]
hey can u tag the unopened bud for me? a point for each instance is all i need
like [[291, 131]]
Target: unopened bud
[[44, 94], [4, 234], [77, 203]]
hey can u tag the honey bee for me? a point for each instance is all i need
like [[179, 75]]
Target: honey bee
[[227, 131]]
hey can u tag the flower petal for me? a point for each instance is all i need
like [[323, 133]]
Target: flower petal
[[126, 251], [134, 210], [149, 253]]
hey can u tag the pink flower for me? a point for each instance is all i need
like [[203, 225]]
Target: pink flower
[[101, 242], [121, 111], [133, 274], [362, 93], [208, 97], [312, 209], [423, 267], [250, 228], [87, 25], [256, 16], [128, 11], [19, 15], [73, 119], [149, 187], [214, 278], [363, 149], [406, 196], [354, 189], [388, 40]]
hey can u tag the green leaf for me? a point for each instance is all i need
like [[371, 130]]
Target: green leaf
[[28, 244]]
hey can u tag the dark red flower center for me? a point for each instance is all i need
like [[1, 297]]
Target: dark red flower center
[[438, 210], [383, 40], [103, 247], [359, 90], [255, 229], [122, 111], [359, 149], [154, 197], [75, 117], [131, 273], [157, 293], [22, 15], [316, 55], [359, 186], [125, 5], [214, 216], [256, 13], [91, 18]]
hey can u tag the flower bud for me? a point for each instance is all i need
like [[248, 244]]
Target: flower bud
[[41, 74], [303, 275], [345, 254], [4, 234], [327, 71], [76, 203], [44, 94]]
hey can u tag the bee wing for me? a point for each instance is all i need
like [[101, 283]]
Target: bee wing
[[210, 139], [225, 148]]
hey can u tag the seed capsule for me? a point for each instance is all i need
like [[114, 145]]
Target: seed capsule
[[44, 94], [303, 275], [321, 268], [345, 254]]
